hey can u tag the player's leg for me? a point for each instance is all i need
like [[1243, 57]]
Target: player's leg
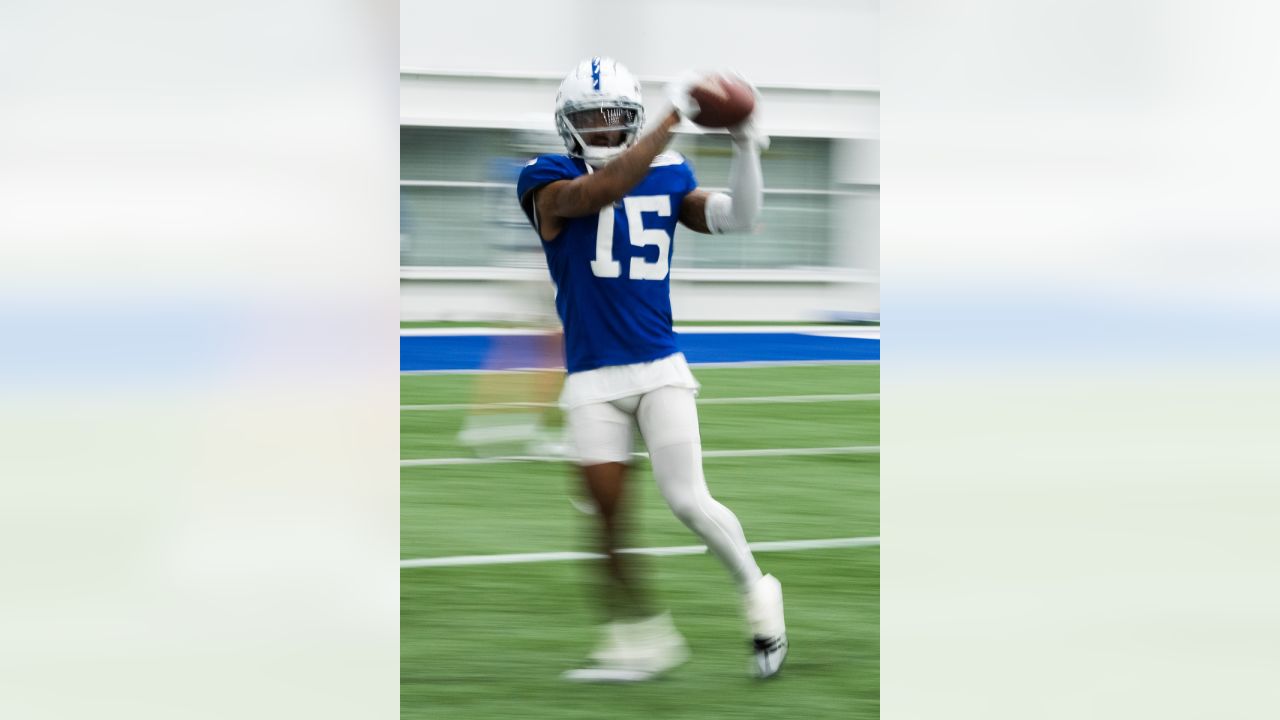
[[606, 486], [637, 644], [601, 437], [668, 419]]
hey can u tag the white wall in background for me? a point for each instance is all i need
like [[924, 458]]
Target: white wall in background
[[479, 300], [462, 100], [815, 43]]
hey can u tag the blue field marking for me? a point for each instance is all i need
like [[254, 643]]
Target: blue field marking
[[766, 347], [473, 352], [467, 352]]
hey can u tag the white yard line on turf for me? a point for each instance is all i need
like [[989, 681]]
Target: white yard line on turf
[[707, 365], [864, 331], [786, 399], [784, 452], [477, 406], [765, 452], [511, 559], [765, 399]]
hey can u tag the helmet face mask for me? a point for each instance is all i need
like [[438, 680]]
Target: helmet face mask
[[607, 126], [598, 111]]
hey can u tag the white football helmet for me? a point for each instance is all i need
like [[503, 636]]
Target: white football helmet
[[598, 110]]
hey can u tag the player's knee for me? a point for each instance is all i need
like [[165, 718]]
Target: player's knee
[[688, 509]]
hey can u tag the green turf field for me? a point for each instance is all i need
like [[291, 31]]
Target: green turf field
[[490, 641]]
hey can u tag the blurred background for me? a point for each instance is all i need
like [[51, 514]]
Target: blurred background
[[471, 113]]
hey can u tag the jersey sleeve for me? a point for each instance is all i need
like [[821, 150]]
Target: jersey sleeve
[[676, 172], [687, 180], [541, 171]]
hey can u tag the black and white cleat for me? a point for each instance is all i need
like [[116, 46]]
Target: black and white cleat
[[769, 655], [768, 626]]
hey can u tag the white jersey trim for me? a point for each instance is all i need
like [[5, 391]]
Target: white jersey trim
[[667, 158]]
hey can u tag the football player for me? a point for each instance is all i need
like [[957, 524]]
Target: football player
[[606, 214]]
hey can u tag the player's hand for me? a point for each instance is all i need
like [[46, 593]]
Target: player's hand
[[747, 134], [677, 92], [748, 131]]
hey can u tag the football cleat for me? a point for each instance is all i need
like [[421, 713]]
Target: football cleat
[[769, 655], [768, 626], [634, 652]]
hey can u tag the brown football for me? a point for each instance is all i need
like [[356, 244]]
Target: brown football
[[722, 101]]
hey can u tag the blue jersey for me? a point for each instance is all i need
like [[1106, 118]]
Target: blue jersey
[[612, 269]]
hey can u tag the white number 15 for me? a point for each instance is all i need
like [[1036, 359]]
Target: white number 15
[[606, 267]]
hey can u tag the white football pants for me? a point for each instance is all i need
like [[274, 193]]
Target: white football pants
[[668, 421]]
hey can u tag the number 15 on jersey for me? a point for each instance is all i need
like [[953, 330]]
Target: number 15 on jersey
[[639, 269]]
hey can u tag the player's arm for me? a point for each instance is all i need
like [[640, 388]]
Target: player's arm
[[693, 210], [586, 194], [716, 212]]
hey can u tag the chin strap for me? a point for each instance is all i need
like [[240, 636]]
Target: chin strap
[[599, 162], [585, 149]]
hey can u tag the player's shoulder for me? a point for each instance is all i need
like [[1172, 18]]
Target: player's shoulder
[[553, 161], [561, 164], [673, 170], [545, 169]]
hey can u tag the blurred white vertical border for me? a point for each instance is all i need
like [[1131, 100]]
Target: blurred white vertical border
[[1079, 243], [198, 312]]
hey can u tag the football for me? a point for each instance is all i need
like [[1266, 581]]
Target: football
[[723, 101]]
